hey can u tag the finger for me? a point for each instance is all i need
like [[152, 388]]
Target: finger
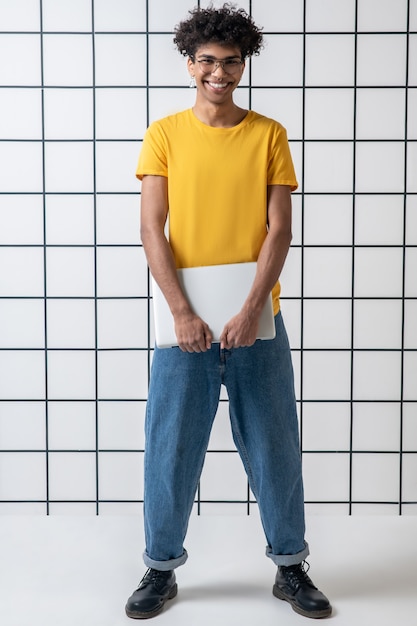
[[194, 346], [208, 339], [226, 342], [186, 345], [199, 345]]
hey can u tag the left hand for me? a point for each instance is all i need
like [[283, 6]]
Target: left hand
[[239, 332]]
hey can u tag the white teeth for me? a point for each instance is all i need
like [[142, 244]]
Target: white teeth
[[218, 85]]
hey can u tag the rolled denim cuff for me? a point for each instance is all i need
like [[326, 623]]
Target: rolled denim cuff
[[165, 566], [288, 559]]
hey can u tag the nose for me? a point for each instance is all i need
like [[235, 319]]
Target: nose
[[219, 66]]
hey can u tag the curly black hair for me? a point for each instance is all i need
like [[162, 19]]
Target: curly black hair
[[228, 25]]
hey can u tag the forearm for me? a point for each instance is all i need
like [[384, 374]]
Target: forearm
[[241, 330], [193, 334], [162, 267], [154, 211], [270, 263], [274, 250]]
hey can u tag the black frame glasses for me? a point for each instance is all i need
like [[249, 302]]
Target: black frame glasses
[[231, 65]]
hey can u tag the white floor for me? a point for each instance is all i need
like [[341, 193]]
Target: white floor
[[62, 571]]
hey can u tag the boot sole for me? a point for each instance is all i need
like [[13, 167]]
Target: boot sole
[[278, 593], [138, 615]]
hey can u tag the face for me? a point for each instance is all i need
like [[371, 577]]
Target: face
[[216, 82]]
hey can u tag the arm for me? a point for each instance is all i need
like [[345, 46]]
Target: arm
[[241, 330], [192, 332]]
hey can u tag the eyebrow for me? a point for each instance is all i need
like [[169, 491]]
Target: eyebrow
[[211, 57]]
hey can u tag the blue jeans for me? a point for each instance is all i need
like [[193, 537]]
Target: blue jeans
[[183, 399]]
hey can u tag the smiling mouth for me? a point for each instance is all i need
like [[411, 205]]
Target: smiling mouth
[[218, 86]]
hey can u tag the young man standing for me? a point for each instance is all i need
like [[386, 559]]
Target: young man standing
[[224, 175]]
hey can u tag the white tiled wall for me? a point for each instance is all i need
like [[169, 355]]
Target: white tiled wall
[[79, 82]]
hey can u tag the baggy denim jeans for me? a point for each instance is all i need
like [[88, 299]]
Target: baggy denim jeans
[[183, 398]]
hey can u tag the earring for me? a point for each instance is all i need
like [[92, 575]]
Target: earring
[[192, 82]]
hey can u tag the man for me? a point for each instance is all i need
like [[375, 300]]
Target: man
[[224, 176]]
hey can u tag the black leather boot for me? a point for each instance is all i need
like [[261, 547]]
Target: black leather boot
[[154, 590], [293, 585]]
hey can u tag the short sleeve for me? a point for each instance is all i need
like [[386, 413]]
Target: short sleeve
[[281, 168], [153, 155]]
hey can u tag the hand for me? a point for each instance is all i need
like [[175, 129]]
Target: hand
[[239, 332], [193, 334]]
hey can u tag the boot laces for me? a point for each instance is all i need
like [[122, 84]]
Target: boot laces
[[296, 575], [153, 576]]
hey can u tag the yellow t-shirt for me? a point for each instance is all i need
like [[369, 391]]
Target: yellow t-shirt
[[217, 184]]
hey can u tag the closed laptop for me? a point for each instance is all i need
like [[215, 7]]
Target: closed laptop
[[216, 293]]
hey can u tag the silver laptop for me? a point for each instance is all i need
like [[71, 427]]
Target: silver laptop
[[216, 293]]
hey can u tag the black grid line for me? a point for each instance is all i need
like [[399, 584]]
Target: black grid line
[[403, 286], [44, 260], [405, 450], [352, 310], [95, 259], [302, 297]]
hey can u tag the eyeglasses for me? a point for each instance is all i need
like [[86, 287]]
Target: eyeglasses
[[230, 66]]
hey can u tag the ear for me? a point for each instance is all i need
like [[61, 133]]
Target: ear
[[190, 66]]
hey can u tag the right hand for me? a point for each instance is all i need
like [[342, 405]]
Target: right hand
[[193, 334]]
